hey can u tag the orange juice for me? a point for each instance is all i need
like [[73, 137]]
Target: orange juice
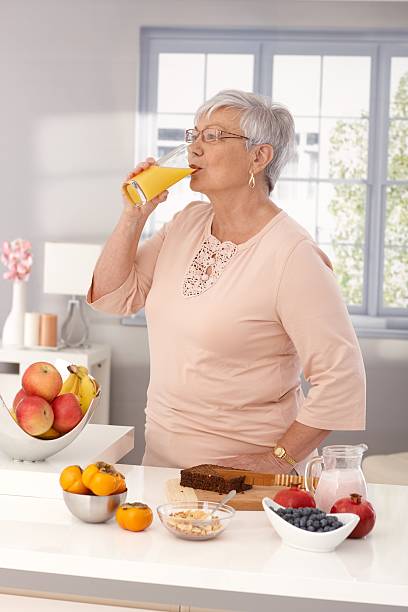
[[153, 181]]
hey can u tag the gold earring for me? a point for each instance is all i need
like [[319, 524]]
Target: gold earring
[[251, 182]]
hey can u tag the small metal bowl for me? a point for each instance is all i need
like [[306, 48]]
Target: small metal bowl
[[93, 508]]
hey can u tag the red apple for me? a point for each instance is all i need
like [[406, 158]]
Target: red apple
[[18, 398], [67, 412], [42, 379], [34, 415]]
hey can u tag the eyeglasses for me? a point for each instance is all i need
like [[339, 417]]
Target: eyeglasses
[[210, 134]]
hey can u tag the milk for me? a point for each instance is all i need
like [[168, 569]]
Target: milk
[[334, 484]]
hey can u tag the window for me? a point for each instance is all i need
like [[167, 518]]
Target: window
[[348, 183], [395, 270], [191, 78], [325, 185]]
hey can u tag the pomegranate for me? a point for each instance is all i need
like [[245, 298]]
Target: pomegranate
[[355, 504], [293, 497]]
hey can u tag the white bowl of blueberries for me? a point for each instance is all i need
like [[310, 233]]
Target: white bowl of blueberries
[[309, 528]]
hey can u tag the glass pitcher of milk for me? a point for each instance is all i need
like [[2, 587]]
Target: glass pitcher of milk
[[341, 474]]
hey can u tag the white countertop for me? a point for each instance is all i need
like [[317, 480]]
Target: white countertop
[[109, 443], [44, 548]]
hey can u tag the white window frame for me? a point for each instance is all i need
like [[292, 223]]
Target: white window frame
[[372, 318]]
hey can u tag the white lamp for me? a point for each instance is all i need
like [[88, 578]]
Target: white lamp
[[68, 269]]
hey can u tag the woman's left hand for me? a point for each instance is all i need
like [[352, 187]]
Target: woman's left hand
[[259, 462]]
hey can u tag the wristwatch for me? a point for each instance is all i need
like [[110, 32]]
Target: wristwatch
[[281, 453]]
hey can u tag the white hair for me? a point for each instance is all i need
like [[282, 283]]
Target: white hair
[[262, 122]]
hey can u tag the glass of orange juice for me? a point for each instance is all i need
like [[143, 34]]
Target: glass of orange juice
[[167, 171]]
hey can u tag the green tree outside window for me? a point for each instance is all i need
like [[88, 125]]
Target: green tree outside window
[[347, 205]]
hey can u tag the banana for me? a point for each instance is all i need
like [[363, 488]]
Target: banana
[[71, 384], [87, 387]]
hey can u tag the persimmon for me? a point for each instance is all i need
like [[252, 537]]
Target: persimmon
[[71, 480], [101, 478], [134, 516], [121, 486]]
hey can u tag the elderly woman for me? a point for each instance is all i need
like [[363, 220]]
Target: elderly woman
[[238, 300]]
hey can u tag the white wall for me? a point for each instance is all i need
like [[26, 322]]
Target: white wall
[[68, 94]]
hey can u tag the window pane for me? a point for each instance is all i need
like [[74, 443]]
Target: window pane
[[343, 148], [348, 265], [229, 71], [181, 82], [296, 83], [395, 277], [399, 87], [346, 86], [396, 248], [398, 148], [396, 220], [341, 213], [171, 129], [305, 162], [341, 234], [298, 199]]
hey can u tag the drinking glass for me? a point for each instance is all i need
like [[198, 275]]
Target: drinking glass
[[167, 171]]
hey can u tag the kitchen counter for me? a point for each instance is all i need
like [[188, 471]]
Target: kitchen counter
[[44, 549]]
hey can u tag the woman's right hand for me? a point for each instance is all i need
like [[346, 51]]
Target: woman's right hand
[[147, 208]]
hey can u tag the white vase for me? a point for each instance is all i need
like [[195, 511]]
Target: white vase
[[13, 330]]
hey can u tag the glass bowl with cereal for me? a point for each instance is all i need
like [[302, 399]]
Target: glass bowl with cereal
[[192, 520]]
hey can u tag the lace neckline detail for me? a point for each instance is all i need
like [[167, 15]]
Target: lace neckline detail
[[207, 266]]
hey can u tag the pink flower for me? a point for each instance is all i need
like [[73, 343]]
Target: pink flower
[[16, 256]]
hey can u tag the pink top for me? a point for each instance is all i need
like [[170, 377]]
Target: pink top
[[230, 329]]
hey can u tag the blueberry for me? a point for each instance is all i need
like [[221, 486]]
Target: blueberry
[[316, 524], [323, 522], [310, 528]]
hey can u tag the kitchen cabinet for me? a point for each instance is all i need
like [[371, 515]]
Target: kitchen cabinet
[[97, 358], [33, 603]]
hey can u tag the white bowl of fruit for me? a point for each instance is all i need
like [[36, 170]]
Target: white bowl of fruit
[[47, 413], [329, 530]]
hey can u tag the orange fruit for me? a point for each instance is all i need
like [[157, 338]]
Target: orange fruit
[[134, 516], [71, 480]]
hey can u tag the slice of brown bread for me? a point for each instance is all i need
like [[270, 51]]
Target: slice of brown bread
[[213, 478]]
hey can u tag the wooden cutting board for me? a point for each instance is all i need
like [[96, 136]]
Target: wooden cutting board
[[263, 485], [248, 500]]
